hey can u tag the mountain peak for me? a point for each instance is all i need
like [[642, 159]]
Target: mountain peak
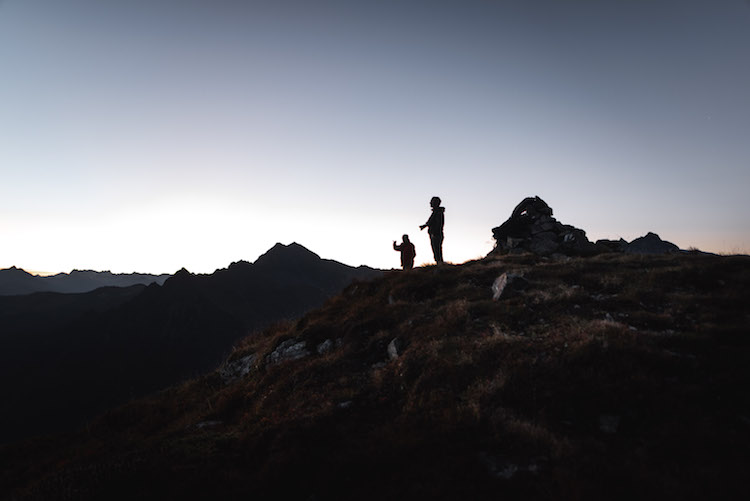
[[281, 254], [181, 277], [16, 271], [239, 264], [16, 281], [182, 272]]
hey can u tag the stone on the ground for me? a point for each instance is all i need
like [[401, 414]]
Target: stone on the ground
[[507, 284], [395, 348], [237, 369], [291, 349], [324, 347]]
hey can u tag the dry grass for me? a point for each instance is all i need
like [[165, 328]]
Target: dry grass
[[607, 377]]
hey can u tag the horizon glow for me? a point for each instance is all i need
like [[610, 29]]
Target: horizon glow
[[151, 136]]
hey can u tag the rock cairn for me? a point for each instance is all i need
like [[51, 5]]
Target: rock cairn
[[531, 228]]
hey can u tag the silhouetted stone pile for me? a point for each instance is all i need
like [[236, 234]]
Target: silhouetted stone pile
[[531, 228]]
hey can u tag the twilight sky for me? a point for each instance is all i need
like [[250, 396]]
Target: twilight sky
[[148, 135]]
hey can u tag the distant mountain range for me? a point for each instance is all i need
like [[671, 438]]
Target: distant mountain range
[[14, 281], [66, 357]]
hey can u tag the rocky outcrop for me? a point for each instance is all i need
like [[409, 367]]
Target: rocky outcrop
[[611, 245], [531, 228], [325, 347], [395, 348], [291, 349], [236, 369], [650, 244], [508, 284]]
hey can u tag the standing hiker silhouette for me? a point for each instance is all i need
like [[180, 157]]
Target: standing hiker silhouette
[[407, 252], [434, 227]]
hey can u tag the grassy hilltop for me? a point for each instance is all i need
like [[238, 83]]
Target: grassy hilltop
[[615, 376]]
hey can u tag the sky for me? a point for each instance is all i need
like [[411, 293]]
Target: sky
[[151, 135]]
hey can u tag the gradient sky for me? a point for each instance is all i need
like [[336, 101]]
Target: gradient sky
[[148, 135]]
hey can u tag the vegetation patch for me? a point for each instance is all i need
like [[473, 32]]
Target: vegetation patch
[[613, 376]]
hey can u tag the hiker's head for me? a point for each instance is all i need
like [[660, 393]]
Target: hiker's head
[[435, 202], [406, 238]]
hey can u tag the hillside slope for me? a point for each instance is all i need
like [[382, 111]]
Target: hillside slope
[[64, 358], [610, 377]]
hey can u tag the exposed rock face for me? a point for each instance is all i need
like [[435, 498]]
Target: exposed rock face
[[648, 244], [508, 284], [651, 244], [291, 349], [395, 348], [531, 228], [324, 347], [612, 245], [237, 369]]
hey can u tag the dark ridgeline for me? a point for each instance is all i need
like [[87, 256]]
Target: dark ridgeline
[[14, 281], [66, 357], [615, 376]]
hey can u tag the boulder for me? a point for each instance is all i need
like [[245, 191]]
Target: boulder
[[508, 284], [395, 348], [603, 245], [575, 242], [650, 244], [291, 349], [237, 369], [544, 243], [324, 347], [531, 228]]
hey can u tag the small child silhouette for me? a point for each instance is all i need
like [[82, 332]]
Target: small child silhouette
[[407, 252]]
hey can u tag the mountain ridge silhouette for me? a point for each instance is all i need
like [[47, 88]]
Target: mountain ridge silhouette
[[615, 376], [171, 331], [16, 281]]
